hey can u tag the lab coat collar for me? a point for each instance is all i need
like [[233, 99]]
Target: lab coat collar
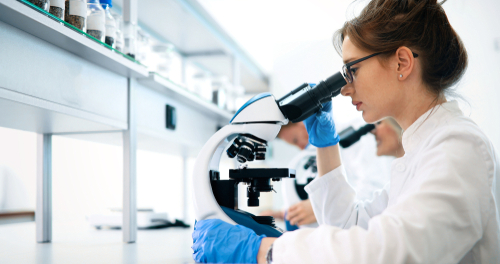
[[427, 122]]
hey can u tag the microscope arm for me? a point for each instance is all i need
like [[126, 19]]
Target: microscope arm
[[206, 206]]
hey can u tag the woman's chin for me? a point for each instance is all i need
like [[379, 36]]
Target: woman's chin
[[370, 118]]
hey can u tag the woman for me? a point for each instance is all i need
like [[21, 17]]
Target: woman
[[401, 57]]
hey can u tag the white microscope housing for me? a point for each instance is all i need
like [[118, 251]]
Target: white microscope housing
[[257, 122]]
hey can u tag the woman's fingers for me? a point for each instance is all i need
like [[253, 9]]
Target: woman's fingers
[[292, 213]]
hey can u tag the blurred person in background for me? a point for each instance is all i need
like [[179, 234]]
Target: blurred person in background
[[387, 134]]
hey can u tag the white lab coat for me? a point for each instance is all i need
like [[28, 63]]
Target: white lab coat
[[439, 207]]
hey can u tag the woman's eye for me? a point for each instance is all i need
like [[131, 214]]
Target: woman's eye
[[354, 70]]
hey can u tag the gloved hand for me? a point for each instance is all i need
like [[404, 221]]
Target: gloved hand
[[215, 241], [321, 128]]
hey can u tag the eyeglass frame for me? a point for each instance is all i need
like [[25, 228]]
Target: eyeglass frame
[[348, 65]]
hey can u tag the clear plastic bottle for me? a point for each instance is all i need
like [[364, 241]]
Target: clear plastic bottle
[[119, 32], [57, 8], [76, 13], [161, 59], [130, 39], [111, 26], [96, 20]]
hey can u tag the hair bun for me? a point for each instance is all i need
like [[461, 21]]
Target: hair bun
[[421, 25]]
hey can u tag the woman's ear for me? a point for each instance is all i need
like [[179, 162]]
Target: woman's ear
[[405, 61]]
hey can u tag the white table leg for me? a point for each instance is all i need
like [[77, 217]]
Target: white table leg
[[129, 171], [43, 213]]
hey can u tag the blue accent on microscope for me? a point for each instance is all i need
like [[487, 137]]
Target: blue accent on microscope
[[249, 102]]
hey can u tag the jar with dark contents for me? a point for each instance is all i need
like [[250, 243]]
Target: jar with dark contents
[[43, 4], [76, 13], [96, 20], [111, 25], [57, 8]]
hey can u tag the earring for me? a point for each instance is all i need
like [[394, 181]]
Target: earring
[[401, 76]]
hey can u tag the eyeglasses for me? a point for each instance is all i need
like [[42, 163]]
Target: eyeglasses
[[346, 69]]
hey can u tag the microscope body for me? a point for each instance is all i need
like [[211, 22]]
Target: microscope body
[[257, 122]]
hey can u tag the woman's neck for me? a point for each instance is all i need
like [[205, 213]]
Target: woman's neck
[[415, 106]]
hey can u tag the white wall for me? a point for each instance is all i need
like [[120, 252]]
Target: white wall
[[477, 24]]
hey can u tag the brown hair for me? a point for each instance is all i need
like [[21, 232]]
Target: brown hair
[[420, 25]]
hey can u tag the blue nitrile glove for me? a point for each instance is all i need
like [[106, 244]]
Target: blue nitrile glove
[[289, 227], [215, 241], [321, 128]]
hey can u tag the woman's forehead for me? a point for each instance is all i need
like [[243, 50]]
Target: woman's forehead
[[349, 51]]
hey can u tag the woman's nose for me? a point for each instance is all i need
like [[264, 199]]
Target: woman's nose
[[347, 90]]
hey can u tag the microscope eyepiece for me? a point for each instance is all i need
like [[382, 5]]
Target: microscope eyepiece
[[350, 136], [305, 100]]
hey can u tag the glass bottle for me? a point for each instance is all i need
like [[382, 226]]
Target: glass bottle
[[111, 26], [57, 8], [96, 20], [43, 4], [130, 39], [119, 32], [76, 13]]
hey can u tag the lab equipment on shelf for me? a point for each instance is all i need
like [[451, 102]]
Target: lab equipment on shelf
[[96, 20], [57, 8], [220, 86], [119, 33], [76, 13], [110, 36], [160, 59], [43, 4], [143, 45], [130, 38]]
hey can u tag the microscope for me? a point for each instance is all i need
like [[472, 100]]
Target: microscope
[[245, 138]]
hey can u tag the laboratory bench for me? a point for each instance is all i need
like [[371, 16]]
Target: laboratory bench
[[56, 80], [81, 243]]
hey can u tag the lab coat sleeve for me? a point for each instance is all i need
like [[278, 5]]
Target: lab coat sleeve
[[334, 201], [437, 220]]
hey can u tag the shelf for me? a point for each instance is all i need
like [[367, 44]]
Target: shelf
[[29, 18], [199, 38], [33, 114], [176, 92]]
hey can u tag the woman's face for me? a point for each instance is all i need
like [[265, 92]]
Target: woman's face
[[374, 89], [388, 142]]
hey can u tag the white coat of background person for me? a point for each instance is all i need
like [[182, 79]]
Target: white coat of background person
[[401, 57]]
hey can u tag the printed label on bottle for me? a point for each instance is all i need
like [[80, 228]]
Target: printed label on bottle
[[57, 3], [96, 22], [78, 8]]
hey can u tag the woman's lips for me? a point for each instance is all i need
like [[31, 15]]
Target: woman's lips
[[357, 104]]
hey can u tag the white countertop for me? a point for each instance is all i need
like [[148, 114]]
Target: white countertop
[[79, 243]]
